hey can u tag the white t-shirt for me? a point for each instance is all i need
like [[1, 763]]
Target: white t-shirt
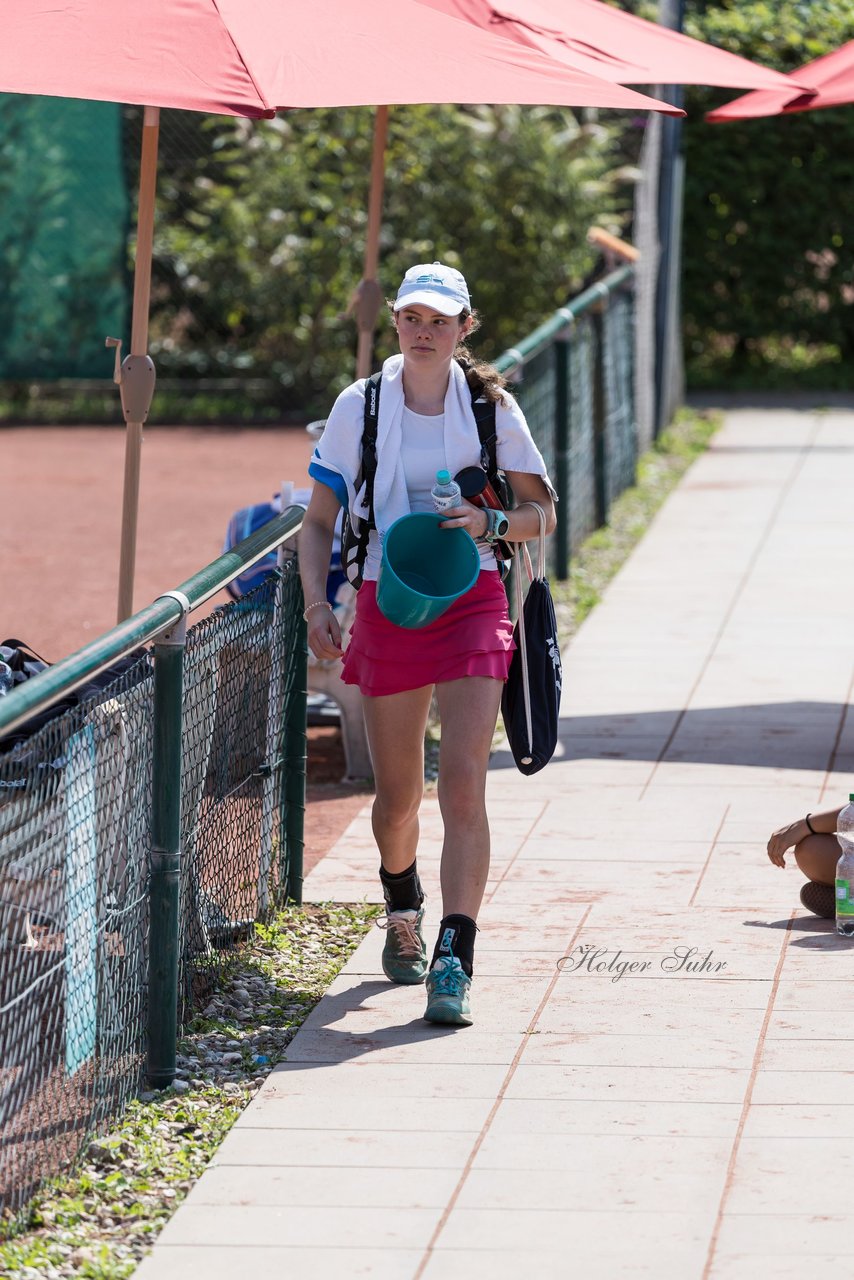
[[337, 459], [422, 453]]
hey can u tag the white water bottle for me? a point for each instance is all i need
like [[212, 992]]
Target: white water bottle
[[845, 871], [446, 493]]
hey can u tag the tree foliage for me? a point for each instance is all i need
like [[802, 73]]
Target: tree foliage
[[261, 227], [769, 209]]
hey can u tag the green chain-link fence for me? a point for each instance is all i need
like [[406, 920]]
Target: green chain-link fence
[[95, 973]]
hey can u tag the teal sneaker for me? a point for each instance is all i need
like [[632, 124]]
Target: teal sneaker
[[405, 950], [448, 987]]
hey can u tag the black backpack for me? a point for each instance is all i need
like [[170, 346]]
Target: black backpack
[[354, 546]]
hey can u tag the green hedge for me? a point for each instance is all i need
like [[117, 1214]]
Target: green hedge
[[260, 229], [768, 288]]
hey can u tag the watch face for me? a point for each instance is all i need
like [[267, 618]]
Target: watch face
[[502, 524]]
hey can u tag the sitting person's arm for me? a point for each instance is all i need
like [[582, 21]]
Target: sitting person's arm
[[793, 833]]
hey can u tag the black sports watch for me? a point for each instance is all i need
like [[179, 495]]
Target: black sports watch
[[497, 525]]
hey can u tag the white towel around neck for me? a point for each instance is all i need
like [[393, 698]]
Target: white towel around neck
[[460, 438], [339, 450]]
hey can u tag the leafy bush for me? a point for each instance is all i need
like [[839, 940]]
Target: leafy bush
[[260, 229]]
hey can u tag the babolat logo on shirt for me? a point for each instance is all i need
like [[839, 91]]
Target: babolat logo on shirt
[[447, 941]]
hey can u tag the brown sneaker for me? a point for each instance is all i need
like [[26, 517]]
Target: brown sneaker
[[820, 899]]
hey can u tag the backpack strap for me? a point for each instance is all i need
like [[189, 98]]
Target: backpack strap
[[484, 416], [369, 440], [354, 546]]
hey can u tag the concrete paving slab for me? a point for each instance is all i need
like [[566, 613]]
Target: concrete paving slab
[[315, 1187], [216, 1262], [529, 1116], [601, 1234], [801, 1120], [509, 1264], [658, 1079], [301, 1226], [361, 1077], [622, 1180], [733, 1266], [801, 1235], [347, 1112], [631, 1085], [362, 1149]]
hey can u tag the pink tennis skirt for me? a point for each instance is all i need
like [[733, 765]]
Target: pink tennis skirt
[[472, 638]]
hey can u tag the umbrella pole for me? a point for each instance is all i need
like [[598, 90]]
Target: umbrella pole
[[137, 374], [371, 298]]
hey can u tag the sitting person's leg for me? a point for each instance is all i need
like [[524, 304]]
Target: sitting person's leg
[[817, 857]]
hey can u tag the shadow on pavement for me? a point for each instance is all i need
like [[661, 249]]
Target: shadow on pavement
[[778, 735]]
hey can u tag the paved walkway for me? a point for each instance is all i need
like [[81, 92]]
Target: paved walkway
[[692, 1116]]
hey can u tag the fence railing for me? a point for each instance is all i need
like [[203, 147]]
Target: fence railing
[[143, 829], [574, 377]]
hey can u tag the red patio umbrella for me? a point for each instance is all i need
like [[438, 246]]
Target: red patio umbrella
[[585, 35], [831, 76], [242, 58], [595, 37]]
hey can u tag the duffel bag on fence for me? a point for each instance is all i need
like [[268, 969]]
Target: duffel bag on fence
[[25, 664]]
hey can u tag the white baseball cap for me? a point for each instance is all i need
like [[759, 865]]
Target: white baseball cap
[[432, 284]]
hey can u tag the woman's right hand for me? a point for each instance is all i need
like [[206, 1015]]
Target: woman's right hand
[[324, 634], [786, 838]]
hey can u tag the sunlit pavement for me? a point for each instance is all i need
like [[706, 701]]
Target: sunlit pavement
[[658, 1079]]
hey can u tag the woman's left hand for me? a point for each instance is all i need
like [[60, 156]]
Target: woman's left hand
[[473, 519]]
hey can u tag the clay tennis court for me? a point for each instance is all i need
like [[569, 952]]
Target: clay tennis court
[[61, 503]]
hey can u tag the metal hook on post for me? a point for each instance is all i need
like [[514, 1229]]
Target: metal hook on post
[[135, 377]]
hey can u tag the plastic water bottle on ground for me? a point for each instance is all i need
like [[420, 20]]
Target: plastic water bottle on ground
[[7, 679], [446, 493], [845, 871]]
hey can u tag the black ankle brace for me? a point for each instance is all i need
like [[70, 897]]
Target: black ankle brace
[[401, 889], [456, 938]]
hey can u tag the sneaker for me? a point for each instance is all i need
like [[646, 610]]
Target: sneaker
[[820, 899], [405, 950], [448, 987]]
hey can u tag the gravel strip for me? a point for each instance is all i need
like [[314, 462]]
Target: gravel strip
[[98, 1222]]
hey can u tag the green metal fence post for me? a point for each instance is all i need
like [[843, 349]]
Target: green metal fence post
[[600, 436], [296, 746], [561, 452], [165, 884]]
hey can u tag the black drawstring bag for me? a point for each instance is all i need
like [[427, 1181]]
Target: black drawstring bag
[[530, 703]]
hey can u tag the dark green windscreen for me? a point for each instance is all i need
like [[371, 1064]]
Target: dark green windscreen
[[63, 237]]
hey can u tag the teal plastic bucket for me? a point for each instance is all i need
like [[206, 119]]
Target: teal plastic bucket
[[424, 569]]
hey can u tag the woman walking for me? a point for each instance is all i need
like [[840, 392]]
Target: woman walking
[[426, 424]]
